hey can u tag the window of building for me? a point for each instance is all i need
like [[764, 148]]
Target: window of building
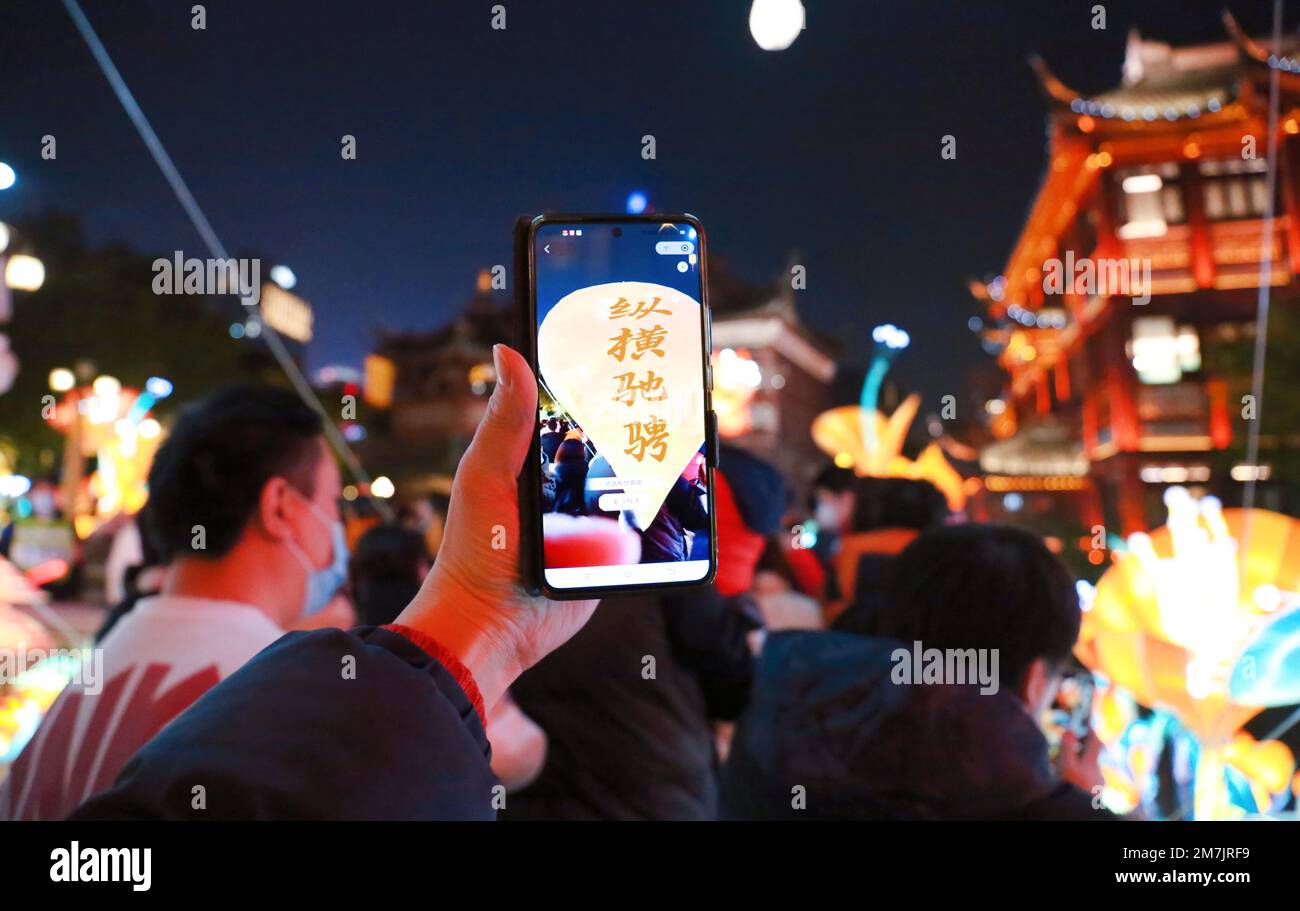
[[1235, 188], [1151, 199], [1162, 351]]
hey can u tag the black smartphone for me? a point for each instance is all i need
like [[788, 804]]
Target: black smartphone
[[616, 326]]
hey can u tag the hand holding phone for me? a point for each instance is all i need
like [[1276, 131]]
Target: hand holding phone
[[472, 602]]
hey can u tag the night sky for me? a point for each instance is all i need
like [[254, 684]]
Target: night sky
[[831, 148]]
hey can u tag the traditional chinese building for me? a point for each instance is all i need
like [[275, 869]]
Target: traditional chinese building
[[1137, 275], [772, 374], [434, 386]]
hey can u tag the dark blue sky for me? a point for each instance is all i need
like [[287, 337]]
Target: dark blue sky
[[831, 148]]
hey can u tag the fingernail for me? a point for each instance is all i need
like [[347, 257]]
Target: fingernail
[[503, 379]]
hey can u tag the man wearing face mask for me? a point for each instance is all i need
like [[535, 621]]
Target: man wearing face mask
[[243, 509]]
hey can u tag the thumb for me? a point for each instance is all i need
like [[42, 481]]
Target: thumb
[[501, 442]]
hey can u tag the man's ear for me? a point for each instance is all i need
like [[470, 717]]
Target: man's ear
[[272, 509], [1035, 684]]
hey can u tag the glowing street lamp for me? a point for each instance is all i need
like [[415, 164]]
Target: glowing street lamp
[[775, 23]]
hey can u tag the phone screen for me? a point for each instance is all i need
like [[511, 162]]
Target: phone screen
[[622, 405]]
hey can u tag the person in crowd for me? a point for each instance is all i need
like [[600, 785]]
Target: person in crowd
[[384, 722], [831, 503], [665, 540], [552, 437], [888, 514], [629, 704], [243, 512], [142, 576], [387, 567], [907, 749], [571, 478]]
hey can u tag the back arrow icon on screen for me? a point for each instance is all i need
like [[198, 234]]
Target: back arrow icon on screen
[[547, 248]]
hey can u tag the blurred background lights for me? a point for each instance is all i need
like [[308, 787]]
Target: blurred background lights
[[636, 202], [4, 237], [7, 176], [158, 387], [775, 23], [107, 386], [149, 428], [24, 273], [284, 277], [1268, 597], [382, 487], [891, 336], [62, 379], [14, 485]]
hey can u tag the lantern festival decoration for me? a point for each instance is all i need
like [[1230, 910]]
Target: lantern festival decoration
[[1198, 623], [862, 438], [112, 424]]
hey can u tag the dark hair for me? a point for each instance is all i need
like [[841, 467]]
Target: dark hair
[[834, 478], [897, 503], [211, 469], [385, 572], [982, 586]]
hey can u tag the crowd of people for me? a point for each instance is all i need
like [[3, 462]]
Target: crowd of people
[[571, 471], [259, 667]]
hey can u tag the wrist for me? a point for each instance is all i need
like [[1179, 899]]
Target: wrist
[[469, 630]]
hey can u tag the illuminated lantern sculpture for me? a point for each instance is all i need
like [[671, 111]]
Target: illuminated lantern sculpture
[[862, 438], [1186, 621], [840, 434]]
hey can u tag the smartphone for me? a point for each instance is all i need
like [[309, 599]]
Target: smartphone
[[615, 323]]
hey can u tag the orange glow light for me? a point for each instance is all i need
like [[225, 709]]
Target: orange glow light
[[1087, 124], [1291, 126]]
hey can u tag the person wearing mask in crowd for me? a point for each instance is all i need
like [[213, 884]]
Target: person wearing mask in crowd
[[243, 512], [624, 745], [844, 717], [386, 722]]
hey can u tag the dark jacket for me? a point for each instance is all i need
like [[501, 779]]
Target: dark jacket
[[826, 717], [664, 541], [620, 744], [397, 739]]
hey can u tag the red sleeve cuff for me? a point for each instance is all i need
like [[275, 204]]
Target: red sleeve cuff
[[453, 665]]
